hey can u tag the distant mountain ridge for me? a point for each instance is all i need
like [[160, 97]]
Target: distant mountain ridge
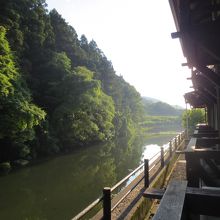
[[150, 99], [156, 107]]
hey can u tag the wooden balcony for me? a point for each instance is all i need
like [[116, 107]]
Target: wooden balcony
[[198, 195]]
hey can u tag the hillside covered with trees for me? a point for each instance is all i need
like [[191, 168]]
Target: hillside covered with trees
[[156, 107], [160, 116], [58, 91]]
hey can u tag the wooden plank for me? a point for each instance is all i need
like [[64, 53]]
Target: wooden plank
[[198, 200], [171, 205], [207, 142], [195, 193], [205, 153], [152, 193], [209, 134], [203, 201], [192, 144]]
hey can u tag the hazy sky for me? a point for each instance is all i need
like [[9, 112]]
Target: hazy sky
[[135, 36]]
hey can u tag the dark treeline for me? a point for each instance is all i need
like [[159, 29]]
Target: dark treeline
[[57, 91]]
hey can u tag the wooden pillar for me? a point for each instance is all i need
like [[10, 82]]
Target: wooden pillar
[[209, 116], [175, 143], [162, 157], [218, 109], [187, 124], [170, 148], [107, 203], [192, 169], [146, 173], [179, 140]]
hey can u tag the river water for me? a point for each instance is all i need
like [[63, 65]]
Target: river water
[[61, 187]]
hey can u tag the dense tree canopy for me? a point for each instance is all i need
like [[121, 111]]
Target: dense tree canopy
[[18, 114], [194, 117], [57, 91]]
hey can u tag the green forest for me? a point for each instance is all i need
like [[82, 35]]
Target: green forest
[[58, 91], [160, 117]]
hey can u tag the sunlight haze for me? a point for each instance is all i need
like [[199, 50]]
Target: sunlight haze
[[135, 36]]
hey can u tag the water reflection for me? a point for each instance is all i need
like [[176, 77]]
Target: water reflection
[[151, 150], [61, 187]]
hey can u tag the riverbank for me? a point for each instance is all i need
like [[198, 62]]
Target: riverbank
[[13, 166], [161, 134]]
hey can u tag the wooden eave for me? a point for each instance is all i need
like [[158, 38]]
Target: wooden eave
[[195, 99], [199, 81], [198, 26]]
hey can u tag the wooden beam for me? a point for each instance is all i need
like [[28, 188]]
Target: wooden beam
[[199, 81], [210, 92], [205, 153], [209, 74], [176, 35], [207, 135], [172, 203], [186, 64], [152, 193], [206, 96], [203, 201], [208, 142]]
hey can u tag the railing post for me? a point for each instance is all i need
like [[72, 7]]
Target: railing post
[[107, 203], [175, 143], [146, 173], [170, 148], [162, 156]]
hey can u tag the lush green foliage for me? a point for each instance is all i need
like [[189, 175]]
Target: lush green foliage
[[82, 98], [86, 113], [18, 114], [194, 116], [160, 117], [160, 108], [154, 124]]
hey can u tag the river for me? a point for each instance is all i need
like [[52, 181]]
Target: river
[[61, 187]]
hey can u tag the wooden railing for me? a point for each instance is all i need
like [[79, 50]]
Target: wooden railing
[[179, 201], [202, 158], [200, 194], [147, 171]]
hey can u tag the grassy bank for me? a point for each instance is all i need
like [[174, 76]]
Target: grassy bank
[[154, 126]]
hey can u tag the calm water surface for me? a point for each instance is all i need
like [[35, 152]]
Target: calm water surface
[[61, 187]]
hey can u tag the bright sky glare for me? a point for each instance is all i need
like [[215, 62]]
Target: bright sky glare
[[135, 36]]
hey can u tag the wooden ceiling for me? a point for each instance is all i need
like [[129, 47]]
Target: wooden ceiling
[[198, 28]]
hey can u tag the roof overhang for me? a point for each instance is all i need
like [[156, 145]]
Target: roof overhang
[[198, 29]]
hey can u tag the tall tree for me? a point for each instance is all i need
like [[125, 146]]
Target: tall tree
[[18, 115], [86, 113], [70, 78]]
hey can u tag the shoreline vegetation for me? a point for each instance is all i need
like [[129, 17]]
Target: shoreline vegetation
[[160, 134], [25, 163]]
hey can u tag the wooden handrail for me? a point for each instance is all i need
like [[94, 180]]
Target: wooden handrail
[[156, 161]]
